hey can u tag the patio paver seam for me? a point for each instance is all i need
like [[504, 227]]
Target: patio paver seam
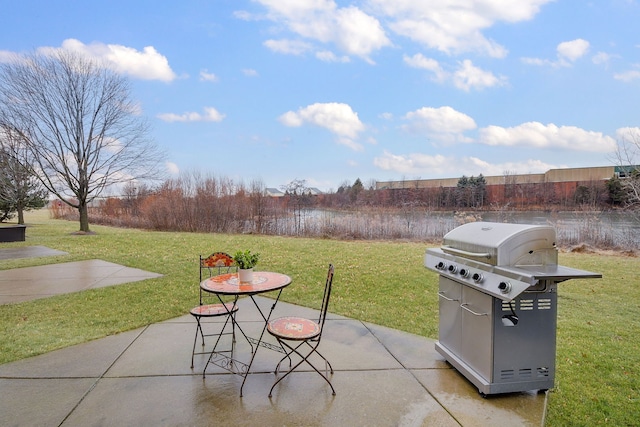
[[102, 375]]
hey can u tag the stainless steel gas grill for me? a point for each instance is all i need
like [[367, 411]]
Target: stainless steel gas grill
[[498, 304]]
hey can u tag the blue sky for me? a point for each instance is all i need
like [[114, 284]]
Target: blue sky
[[330, 91]]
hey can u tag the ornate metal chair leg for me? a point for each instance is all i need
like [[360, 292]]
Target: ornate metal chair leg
[[195, 340]]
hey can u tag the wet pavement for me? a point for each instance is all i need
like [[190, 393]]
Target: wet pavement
[[29, 283], [383, 377], [28, 252]]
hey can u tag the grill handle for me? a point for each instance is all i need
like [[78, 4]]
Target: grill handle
[[464, 307], [443, 296], [460, 252]]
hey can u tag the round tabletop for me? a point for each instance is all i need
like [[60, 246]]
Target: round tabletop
[[228, 284]]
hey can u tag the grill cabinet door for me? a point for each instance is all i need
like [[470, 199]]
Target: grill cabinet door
[[450, 328], [477, 331]]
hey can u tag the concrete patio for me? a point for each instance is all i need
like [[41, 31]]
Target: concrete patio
[[383, 377]]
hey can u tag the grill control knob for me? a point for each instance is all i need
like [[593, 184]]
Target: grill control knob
[[505, 287], [464, 272], [477, 277], [452, 268], [441, 265]]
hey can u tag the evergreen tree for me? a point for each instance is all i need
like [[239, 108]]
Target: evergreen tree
[[20, 190], [617, 193]]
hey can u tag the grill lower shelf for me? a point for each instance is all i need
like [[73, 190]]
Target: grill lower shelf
[[538, 381]]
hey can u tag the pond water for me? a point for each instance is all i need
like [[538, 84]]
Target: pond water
[[601, 229]]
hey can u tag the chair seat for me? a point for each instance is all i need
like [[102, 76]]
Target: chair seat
[[211, 310], [293, 328]]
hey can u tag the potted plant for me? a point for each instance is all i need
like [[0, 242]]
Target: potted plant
[[246, 261]]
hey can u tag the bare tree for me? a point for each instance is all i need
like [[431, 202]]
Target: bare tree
[[79, 123], [258, 203], [300, 197], [628, 157]]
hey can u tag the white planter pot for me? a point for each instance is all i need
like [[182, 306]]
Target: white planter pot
[[245, 275]]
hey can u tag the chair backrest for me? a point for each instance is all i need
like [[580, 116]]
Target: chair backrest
[[325, 298], [214, 264]]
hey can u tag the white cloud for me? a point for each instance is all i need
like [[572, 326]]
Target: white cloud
[[249, 72], [628, 76], [291, 47], [629, 134], [355, 146], [145, 65], [444, 124], [447, 26], [454, 27], [112, 145], [466, 77], [246, 16], [628, 145], [348, 28], [6, 56], [469, 77], [417, 164], [358, 33], [210, 115], [479, 166], [206, 76], [338, 118], [573, 50], [172, 168], [328, 56], [291, 119], [420, 61], [602, 58], [567, 53], [535, 134], [537, 61]]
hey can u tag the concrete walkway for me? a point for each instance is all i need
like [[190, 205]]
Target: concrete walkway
[[28, 252], [29, 283], [383, 377]]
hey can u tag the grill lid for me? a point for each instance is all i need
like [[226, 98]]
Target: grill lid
[[503, 244], [502, 260]]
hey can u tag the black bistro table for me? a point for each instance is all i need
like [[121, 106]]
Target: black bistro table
[[230, 285]]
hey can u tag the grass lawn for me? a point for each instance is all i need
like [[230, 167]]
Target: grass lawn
[[598, 359]]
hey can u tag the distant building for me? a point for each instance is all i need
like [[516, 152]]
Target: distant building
[[274, 192], [314, 191], [553, 185], [599, 173]]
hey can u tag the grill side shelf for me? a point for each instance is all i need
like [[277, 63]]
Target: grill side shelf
[[556, 273]]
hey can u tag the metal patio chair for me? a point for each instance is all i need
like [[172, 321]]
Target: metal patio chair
[[214, 264], [301, 337]]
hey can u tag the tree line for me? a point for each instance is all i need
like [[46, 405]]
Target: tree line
[[198, 202]]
